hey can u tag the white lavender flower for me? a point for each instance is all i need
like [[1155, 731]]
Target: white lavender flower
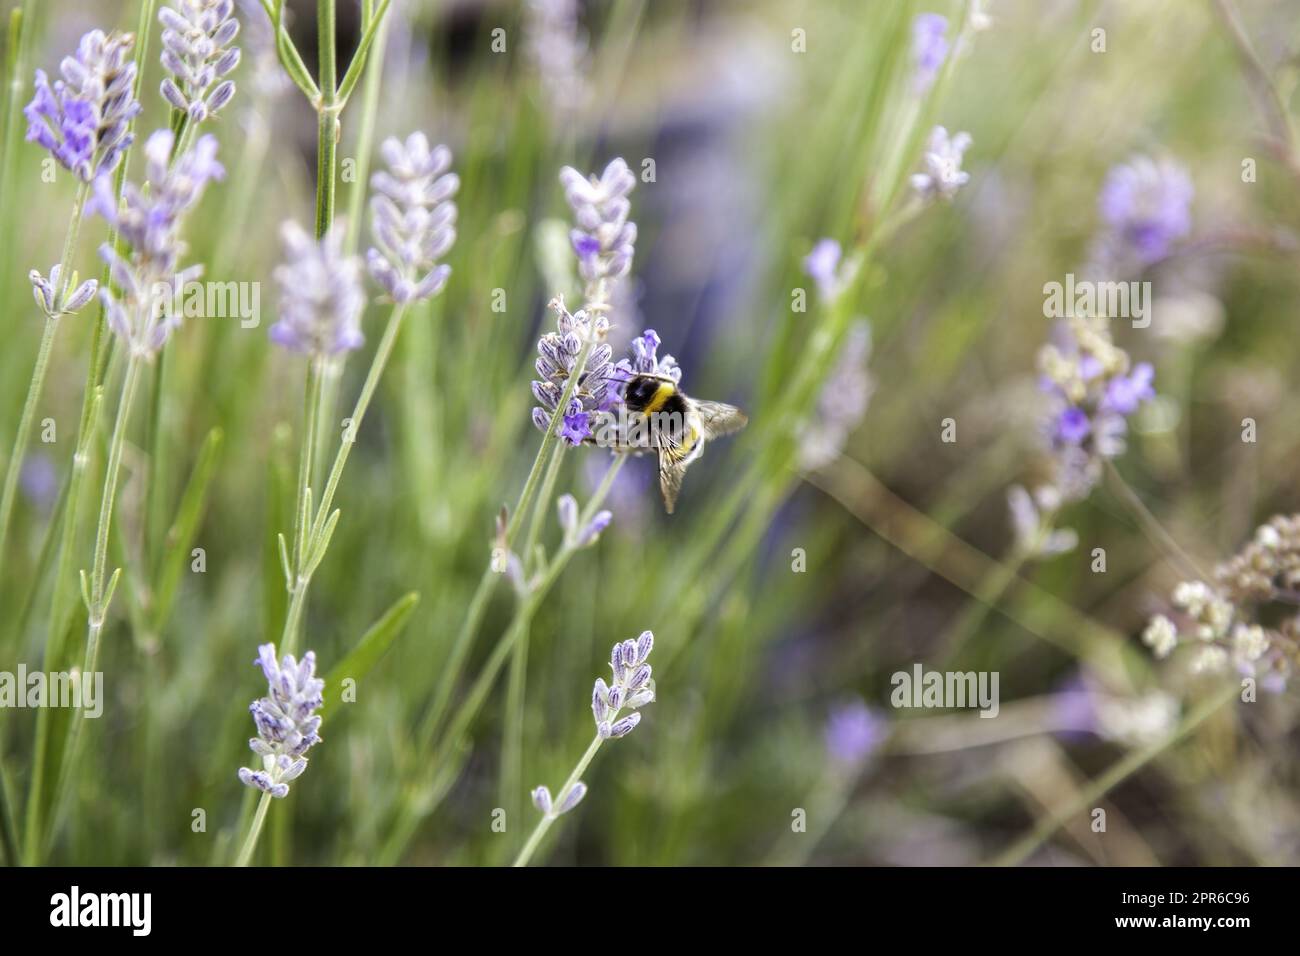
[[149, 221], [413, 218], [603, 238], [55, 300], [557, 357], [84, 119], [942, 175], [321, 294], [286, 719], [842, 403], [631, 687], [197, 53]]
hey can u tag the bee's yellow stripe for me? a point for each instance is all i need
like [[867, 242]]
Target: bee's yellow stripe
[[661, 395]]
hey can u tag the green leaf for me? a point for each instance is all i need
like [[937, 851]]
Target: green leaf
[[180, 536], [372, 646], [359, 58]]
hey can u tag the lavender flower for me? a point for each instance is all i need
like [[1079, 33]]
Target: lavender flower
[[321, 295], [286, 721], [413, 218], [572, 797], [557, 47], [603, 238], [268, 78], [842, 403], [929, 48], [1032, 522], [84, 119], [943, 174], [853, 732], [54, 299], [149, 221], [558, 353], [577, 536], [631, 687], [822, 266], [1145, 208], [1092, 390], [197, 53]]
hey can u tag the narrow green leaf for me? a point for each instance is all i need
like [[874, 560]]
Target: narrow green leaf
[[180, 536], [372, 646], [358, 63]]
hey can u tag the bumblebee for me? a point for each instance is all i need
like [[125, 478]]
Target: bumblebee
[[679, 426]]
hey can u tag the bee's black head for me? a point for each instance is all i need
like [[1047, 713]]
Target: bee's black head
[[640, 391]]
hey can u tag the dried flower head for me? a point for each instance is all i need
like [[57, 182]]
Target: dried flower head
[[1234, 620], [197, 53], [413, 218], [603, 239], [149, 221], [557, 358], [84, 119], [321, 294], [287, 724], [942, 175]]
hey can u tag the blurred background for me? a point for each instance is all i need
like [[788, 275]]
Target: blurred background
[[790, 584]]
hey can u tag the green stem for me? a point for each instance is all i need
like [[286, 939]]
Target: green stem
[[254, 831], [39, 371], [544, 824], [98, 594], [366, 137], [327, 126], [1119, 771]]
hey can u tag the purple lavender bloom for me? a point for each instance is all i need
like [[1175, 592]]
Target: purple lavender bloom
[[53, 298], [413, 218], [557, 359], [287, 725], [321, 295], [149, 221], [1125, 392], [822, 265], [84, 119], [39, 481], [603, 238], [1146, 207], [1073, 426], [929, 47], [197, 53], [853, 732]]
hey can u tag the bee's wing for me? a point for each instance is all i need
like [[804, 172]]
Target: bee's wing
[[718, 418], [671, 470]]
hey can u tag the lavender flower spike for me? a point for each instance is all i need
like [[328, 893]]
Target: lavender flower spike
[[321, 295], [631, 688], [603, 238], [149, 221], [413, 218], [943, 174], [56, 301], [84, 119], [557, 357], [286, 721], [929, 48], [1145, 206], [196, 52]]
